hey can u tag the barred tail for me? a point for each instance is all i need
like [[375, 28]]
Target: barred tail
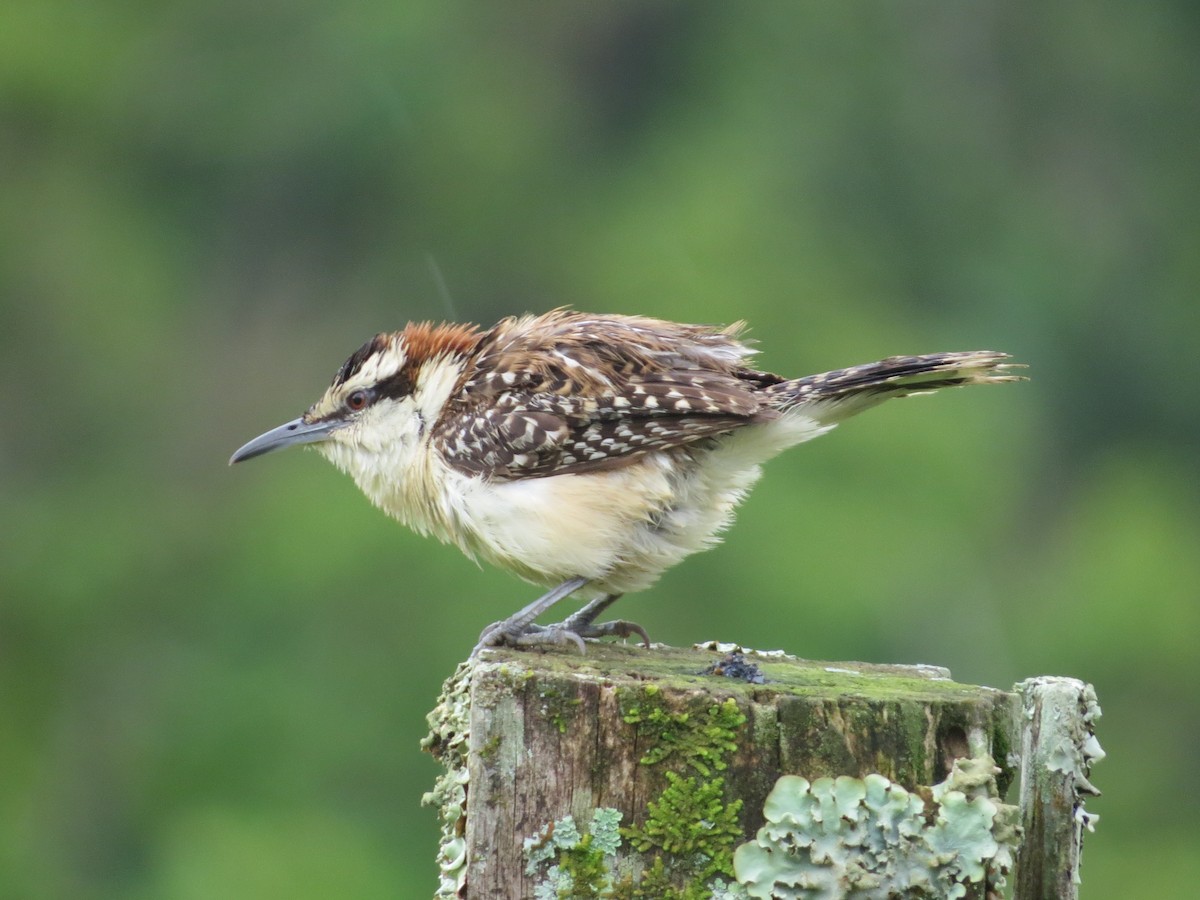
[[844, 392]]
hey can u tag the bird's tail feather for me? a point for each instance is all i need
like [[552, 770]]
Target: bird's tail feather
[[844, 392]]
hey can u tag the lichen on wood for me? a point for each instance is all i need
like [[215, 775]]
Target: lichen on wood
[[449, 731], [871, 839], [1056, 719], [633, 775]]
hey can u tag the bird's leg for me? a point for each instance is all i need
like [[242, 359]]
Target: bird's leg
[[520, 624], [519, 630]]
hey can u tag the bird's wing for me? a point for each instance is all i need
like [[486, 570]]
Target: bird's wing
[[568, 393]]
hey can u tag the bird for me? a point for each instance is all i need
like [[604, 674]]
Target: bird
[[585, 453]]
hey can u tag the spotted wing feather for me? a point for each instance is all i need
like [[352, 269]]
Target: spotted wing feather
[[557, 399]]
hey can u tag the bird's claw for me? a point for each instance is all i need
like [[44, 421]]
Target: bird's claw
[[616, 628], [501, 634], [551, 635]]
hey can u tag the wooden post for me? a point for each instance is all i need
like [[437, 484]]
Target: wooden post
[[630, 774], [1058, 746]]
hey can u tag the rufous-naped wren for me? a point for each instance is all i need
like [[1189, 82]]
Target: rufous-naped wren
[[585, 452]]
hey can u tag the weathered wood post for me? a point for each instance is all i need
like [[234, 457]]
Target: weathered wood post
[[1056, 718], [701, 773]]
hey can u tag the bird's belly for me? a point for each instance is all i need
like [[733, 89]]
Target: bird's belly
[[621, 529]]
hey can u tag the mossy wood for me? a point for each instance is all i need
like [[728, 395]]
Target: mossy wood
[[630, 774]]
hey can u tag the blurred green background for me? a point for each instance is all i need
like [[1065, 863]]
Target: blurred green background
[[213, 681]]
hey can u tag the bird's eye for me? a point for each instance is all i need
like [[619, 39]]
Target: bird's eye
[[357, 400]]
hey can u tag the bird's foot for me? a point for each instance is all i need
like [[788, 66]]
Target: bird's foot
[[503, 634], [571, 631], [520, 630]]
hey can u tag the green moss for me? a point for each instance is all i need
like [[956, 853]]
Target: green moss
[[559, 708], [689, 828], [700, 739], [676, 668], [1001, 750], [913, 723], [657, 883], [491, 748], [585, 867], [691, 821], [688, 825]]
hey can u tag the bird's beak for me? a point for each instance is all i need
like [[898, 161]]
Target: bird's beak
[[294, 432]]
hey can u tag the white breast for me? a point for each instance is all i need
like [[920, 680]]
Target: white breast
[[621, 528]]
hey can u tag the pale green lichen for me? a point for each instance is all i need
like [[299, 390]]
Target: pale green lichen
[[1066, 747], [560, 835], [606, 830], [720, 889], [1077, 748], [449, 731], [577, 865], [871, 839], [1090, 753]]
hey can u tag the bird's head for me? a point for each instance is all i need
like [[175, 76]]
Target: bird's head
[[386, 395]]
